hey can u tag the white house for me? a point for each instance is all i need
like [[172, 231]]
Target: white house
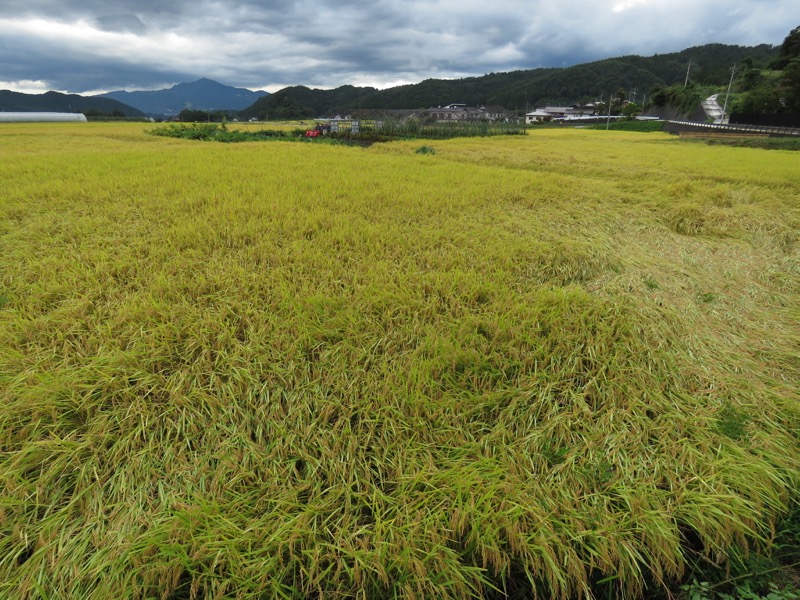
[[537, 116], [574, 112]]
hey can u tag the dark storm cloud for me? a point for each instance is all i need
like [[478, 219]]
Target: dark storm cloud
[[112, 44], [122, 22], [91, 8]]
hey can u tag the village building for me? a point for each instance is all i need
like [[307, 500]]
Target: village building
[[548, 113], [537, 116], [494, 112], [455, 112], [462, 112]]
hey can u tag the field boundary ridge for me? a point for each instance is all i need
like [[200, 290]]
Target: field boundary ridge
[[683, 127]]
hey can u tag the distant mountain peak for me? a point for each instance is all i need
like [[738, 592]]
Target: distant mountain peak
[[203, 94], [203, 81]]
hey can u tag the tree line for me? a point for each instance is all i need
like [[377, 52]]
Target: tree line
[[521, 91]]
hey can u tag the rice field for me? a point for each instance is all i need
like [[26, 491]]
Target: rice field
[[559, 365]]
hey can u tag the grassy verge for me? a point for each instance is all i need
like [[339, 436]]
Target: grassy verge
[[558, 364], [752, 142], [214, 132], [369, 132], [642, 126]]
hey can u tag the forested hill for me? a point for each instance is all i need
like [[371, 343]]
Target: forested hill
[[58, 102], [710, 65], [302, 102]]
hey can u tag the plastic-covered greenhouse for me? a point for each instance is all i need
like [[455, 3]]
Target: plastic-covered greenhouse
[[35, 117]]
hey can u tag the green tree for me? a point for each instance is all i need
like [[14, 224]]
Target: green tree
[[773, 91], [789, 49], [188, 115], [750, 79], [790, 84], [765, 99], [631, 109]]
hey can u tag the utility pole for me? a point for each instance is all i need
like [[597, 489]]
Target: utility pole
[[608, 119], [689, 68], [728, 93]]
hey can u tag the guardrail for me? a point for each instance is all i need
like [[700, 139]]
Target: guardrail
[[690, 126]]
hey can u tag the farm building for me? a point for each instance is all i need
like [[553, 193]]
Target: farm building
[[37, 117]]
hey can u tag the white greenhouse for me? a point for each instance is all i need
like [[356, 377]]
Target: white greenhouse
[[38, 117]]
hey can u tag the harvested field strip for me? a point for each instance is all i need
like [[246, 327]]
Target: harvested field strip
[[521, 365]]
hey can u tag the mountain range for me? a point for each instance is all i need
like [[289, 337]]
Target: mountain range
[[203, 94], [637, 76]]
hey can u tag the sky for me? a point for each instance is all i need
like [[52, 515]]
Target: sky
[[94, 46]]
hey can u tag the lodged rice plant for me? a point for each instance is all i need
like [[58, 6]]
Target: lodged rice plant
[[557, 366]]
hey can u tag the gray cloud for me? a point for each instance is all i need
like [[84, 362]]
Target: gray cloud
[[122, 22], [87, 45]]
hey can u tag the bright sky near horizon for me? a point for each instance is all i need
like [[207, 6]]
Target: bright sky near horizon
[[88, 46]]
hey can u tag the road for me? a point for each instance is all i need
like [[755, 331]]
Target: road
[[713, 109]]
